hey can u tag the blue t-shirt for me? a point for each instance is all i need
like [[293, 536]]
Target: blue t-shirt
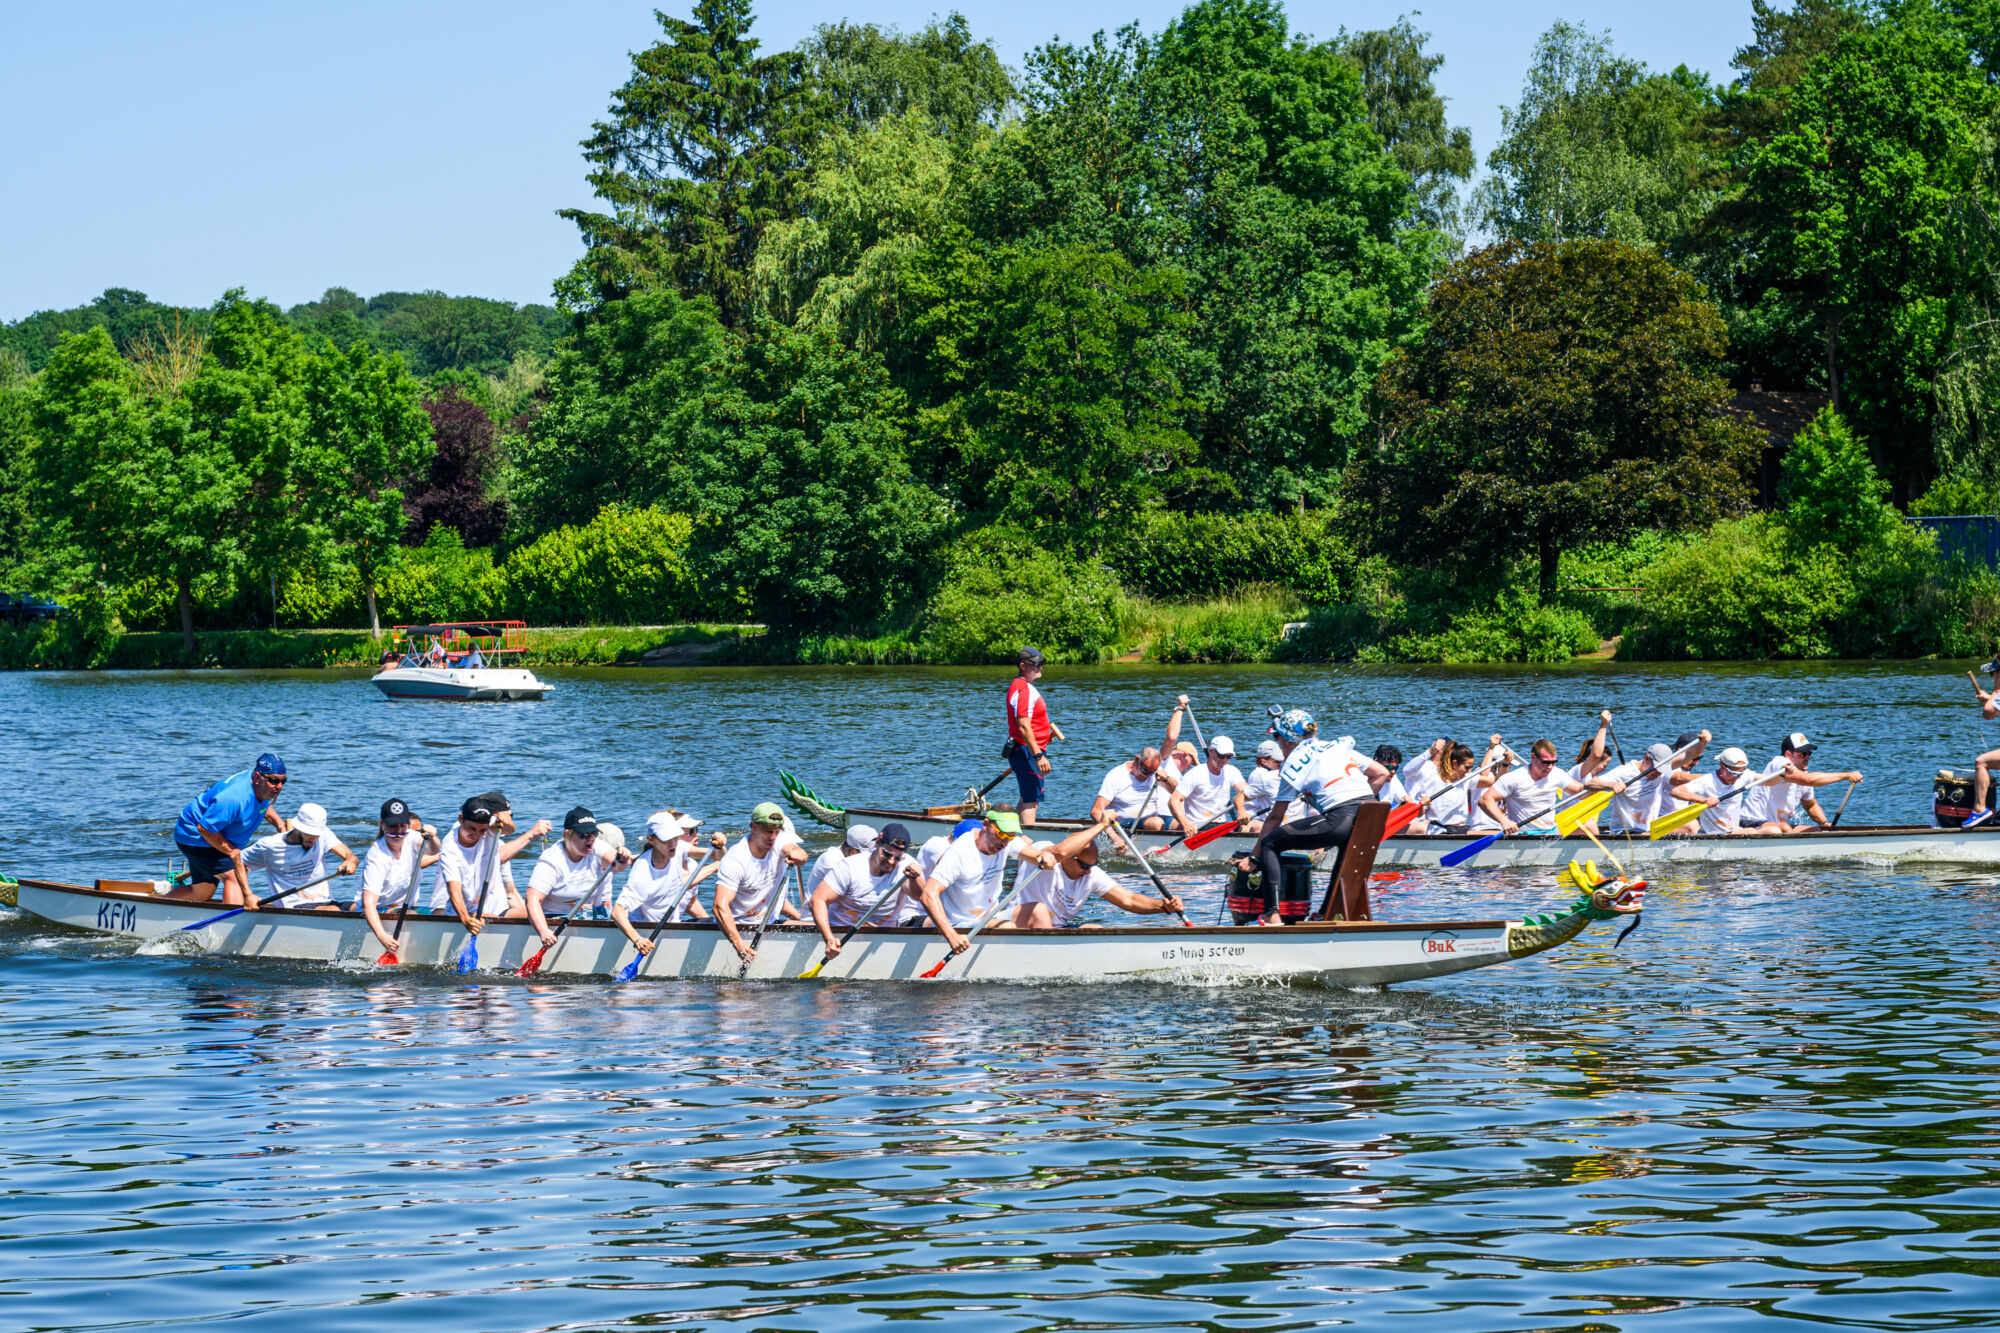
[[230, 808]]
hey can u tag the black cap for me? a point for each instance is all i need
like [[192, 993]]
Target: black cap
[[476, 810], [893, 833], [1797, 741], [395, 809], [494, 801], [1030, 657], [580, 820], [1685, 739]]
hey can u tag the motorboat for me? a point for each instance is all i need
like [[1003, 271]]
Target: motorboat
[[463, 660]]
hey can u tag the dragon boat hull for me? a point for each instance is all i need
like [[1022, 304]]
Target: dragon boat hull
[[1333, 953]]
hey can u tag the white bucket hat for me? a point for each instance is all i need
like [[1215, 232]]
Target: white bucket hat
[[311, 820]]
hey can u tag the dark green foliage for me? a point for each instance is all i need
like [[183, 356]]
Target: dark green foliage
[[1830, 490], [1001, 591], [624, 567], [435, 333], [1184, 557], [125, 315], [871, 74]]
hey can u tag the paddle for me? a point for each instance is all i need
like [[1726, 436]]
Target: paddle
[[390, 957], [1616, 748], [895, 887], [770, 910], [1459, 856], [468, 956], [1200, 837], [1151, 874], [266, 902], [631, 969], [1581, 811], [998, 903], [1693, 810], [1843, 806], [534, 965]]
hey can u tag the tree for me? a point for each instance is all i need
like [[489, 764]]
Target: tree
[[1561, 394], [464, 465], [1406, 111], [954, 85], [1831, 493], [365, 432], [706, 146], [17, 439], [1597, 147]]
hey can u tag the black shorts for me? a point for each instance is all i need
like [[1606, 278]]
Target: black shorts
[[205, 864]]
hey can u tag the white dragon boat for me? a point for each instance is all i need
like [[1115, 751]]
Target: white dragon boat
[[465, 661], [1340, 953], [1888, 843]]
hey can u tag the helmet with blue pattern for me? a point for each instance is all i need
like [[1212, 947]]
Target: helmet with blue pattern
[[1294, 726]]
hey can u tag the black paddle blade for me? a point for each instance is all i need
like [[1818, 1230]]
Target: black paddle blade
[[1628, 930]]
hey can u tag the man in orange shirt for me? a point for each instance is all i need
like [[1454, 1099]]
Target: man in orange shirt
[[1028, 733]]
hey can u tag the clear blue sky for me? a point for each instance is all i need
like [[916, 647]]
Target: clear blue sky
[[287, 147]]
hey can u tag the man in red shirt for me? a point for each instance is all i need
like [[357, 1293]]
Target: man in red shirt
[[1028, 733]]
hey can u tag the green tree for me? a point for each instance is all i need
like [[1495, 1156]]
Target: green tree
[[1830, 490], [955, 85], [1562, 394], [1597, 147], [17, 439], [705, 148], [1409, 115], [365, 431]]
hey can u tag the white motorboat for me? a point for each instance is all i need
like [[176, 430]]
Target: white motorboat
[[463, 660], [1338, 953]]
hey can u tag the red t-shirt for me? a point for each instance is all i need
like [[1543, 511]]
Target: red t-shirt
[[1024, 700]]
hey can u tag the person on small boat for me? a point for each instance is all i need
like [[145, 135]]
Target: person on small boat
[[468, 883], [1028, 734], [664, 880], [855, 842], [570, 871], [215, 826], [403, 846], [298, 856], [1774, 809], [1329, 777], [1983, 766], [1262, 785], [752, 871], [858, 882], [1209, 791], [963, 888], [389, 661], [1709, 788], [1525, 799], [1050, 898]]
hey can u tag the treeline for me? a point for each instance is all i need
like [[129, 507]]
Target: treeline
[[886, 345]]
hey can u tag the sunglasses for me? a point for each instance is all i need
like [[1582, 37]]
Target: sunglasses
[[270, 781]]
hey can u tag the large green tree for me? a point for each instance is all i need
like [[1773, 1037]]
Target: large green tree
[[1561, 394], [1406, 110], [706, 146], [953, 82]]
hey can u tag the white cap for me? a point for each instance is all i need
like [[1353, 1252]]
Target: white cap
[[860, 837], [311, 819], [1270, 750], [1222, 745], [665, 826], [610, 836], [1735, 758]]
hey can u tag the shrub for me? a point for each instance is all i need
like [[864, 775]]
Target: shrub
[[1188, 556], [1000, 592], [1246, 626], [441, 580], [625, 567]]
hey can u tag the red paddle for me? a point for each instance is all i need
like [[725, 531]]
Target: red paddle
[[1201, 839]]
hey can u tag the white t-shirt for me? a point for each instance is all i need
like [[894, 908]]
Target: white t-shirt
[[392, 878], [859, 888], [1447, 798], [289, 866], [1529, 803], [651, 892], [471, 867], [1779, 801], [828, 859], [1725, 818], [564, 882], [1324, 774], [1642, 800], [969, 879], [1205, 794], [1065, 896], [1127, 793], [928, 854], [751, 879], [1261, 790], [1394, 792]]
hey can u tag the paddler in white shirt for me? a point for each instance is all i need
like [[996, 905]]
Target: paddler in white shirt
[[1050, 898], [663, 880], [1262, 785], [1326, 775], [389, 873], [858, 841], [298, 856], [751, 872], [1211, 790], [1526, 798], [571, 871], [468, 883], [859, 882], [966, 883], [1772, 808], [1709, 788]]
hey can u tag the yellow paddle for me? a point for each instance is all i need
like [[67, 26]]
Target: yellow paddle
[[1687, 814], [1590, 807]]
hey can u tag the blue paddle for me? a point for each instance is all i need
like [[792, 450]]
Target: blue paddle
[[631, 969], [262, 902], [468, 956]]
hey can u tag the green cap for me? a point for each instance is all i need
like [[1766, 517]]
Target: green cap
[[767, 812], [1004, 820]]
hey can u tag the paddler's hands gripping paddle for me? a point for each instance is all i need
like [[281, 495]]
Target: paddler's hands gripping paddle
[[895, 887], [261, 902], [468, 956], [1166, 897], [631, 969], [609, 833], [1201, 838], [1471, 849], [1693, 810], [770, 910], [391, 957]]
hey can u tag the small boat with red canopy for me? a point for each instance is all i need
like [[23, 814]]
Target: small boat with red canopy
[[460, 659]]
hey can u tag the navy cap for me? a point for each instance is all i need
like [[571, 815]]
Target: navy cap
[[1030, 657], [269, 765], [580, 821], [1685, 739], [395, 809], [893, 833], [476, 810]]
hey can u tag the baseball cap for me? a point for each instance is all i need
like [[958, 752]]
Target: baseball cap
[[476, 810], [1030, 657], [1797, 741], [580, 821], [1270, 750], [963, 827], [1685, 739], [495, 801], [1222, 745], [1735, 758], [894, 835], [860, 836], [395, 809], [1659, 752], [665, 827], [311, 819], [1004, 820], [766, 812], [269, 765], [1187, 748]]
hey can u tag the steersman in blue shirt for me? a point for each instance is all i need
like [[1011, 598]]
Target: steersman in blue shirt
[[217, 825]]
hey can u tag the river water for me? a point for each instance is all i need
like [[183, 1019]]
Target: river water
[[1775, 1101]]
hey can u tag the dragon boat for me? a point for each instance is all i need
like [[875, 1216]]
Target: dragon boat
[[1884, 842], [1341, 946]]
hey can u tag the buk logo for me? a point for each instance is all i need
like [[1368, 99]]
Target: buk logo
[[1440, 941]]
